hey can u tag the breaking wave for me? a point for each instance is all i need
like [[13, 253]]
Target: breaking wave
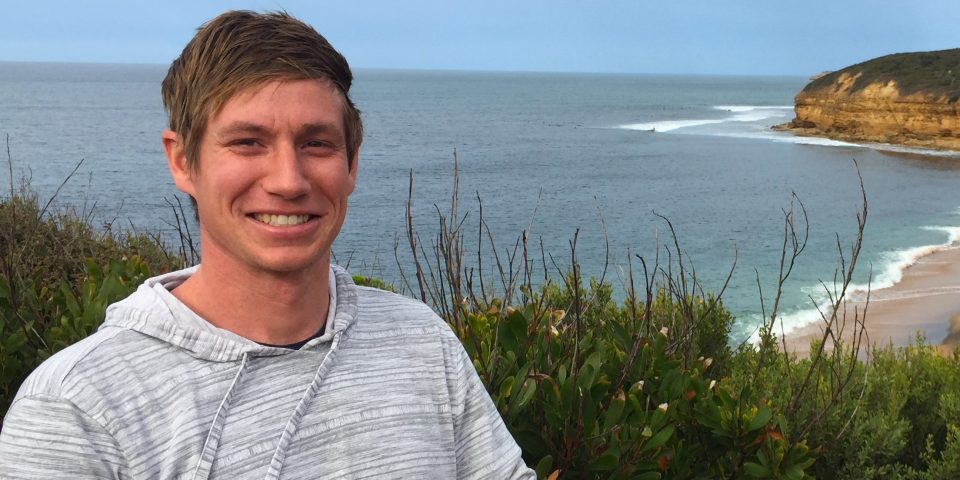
[[754, 122], [892, 268]]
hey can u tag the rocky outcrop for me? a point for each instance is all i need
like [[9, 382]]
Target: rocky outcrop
[[908, 99]]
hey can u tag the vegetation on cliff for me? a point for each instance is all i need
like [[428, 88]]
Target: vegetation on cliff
[[933, 73]]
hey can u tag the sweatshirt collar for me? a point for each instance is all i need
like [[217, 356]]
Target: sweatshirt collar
[[154, 311]]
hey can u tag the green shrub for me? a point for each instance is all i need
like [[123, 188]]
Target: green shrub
[[57, 276], [595, 389], [585, 405], [897, 418]]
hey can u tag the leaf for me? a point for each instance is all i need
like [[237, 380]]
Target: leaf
[[607, 461], [508, 341], [506, 388], [667, 384], [71, 302], [568, 392], [586, 377], [595, 360], [794, 472], [709, 416], [478, 324], [589, 415], [614, 412], [635, 404], [14, 342], [544, 466], [760, 419], [659, 439], [517, 322], [764, 458], [521, 382], [756, 470], [648, 476], [527, 392]]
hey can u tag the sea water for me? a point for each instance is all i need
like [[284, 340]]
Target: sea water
[[598, 156]]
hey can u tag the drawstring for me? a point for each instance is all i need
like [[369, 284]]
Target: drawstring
[[280, 454], [213, 436]]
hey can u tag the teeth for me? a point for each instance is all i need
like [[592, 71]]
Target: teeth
[[282, 220]]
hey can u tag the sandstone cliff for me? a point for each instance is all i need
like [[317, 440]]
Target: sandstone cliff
[[905, 98]]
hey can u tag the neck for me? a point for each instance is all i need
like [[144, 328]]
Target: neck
[[266, 307]]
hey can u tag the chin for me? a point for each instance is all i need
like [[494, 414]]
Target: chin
[[291, 263]]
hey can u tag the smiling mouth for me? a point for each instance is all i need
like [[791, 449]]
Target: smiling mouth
[[282, 220]]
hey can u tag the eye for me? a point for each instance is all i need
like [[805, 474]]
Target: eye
[[246, 146], [320, 147], [245, 142], [318, 144]]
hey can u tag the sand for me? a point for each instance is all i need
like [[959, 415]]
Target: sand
[[926, 301]]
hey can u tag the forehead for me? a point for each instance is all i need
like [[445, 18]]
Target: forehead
[[284, 101]]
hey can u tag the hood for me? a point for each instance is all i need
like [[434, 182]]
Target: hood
[[148, 312]]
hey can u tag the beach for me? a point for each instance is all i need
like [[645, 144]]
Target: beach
[[926, 300]]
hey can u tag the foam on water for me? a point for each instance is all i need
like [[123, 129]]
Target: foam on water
[[751, 108], [786, 322], [895, 263], [783, 137], [891, 273], [887, 147], [669, 125], [754, 122], [742, 114]]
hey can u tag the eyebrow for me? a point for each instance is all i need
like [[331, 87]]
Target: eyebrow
[[320, 128], [242, 127]]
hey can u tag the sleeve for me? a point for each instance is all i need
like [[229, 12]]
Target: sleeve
[[48, 437], [484, 446]]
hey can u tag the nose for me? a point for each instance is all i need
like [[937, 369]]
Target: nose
[[285, 176]]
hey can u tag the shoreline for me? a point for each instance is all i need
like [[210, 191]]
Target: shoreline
[[934, 144], [925, 300]]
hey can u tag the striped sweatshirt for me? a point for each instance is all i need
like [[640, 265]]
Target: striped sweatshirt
[[386, 392]]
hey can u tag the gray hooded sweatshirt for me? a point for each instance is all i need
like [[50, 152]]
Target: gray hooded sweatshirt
[[386, 392]]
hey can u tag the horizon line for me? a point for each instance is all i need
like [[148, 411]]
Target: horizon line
[[442, 70]]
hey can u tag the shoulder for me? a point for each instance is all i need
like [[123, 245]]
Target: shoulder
[[383, 307], [49, 378], [391, 317], [70, 373]]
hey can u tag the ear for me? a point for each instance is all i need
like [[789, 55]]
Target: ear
[[177, 162]]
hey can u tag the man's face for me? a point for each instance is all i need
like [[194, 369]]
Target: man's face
[[272, 179]]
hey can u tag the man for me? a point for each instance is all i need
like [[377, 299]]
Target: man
[[264, 361]]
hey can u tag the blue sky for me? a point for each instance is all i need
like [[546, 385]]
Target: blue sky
[[633, 36]]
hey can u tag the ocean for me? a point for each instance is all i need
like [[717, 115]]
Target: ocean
[[596, 155]]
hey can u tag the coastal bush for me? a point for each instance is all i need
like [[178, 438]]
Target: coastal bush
[[595, 389], [902, 425], [57, 276], [610, 402]]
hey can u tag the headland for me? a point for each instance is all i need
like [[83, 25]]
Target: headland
[[905, 99]]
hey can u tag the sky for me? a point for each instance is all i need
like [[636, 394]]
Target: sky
[[752, 37]]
